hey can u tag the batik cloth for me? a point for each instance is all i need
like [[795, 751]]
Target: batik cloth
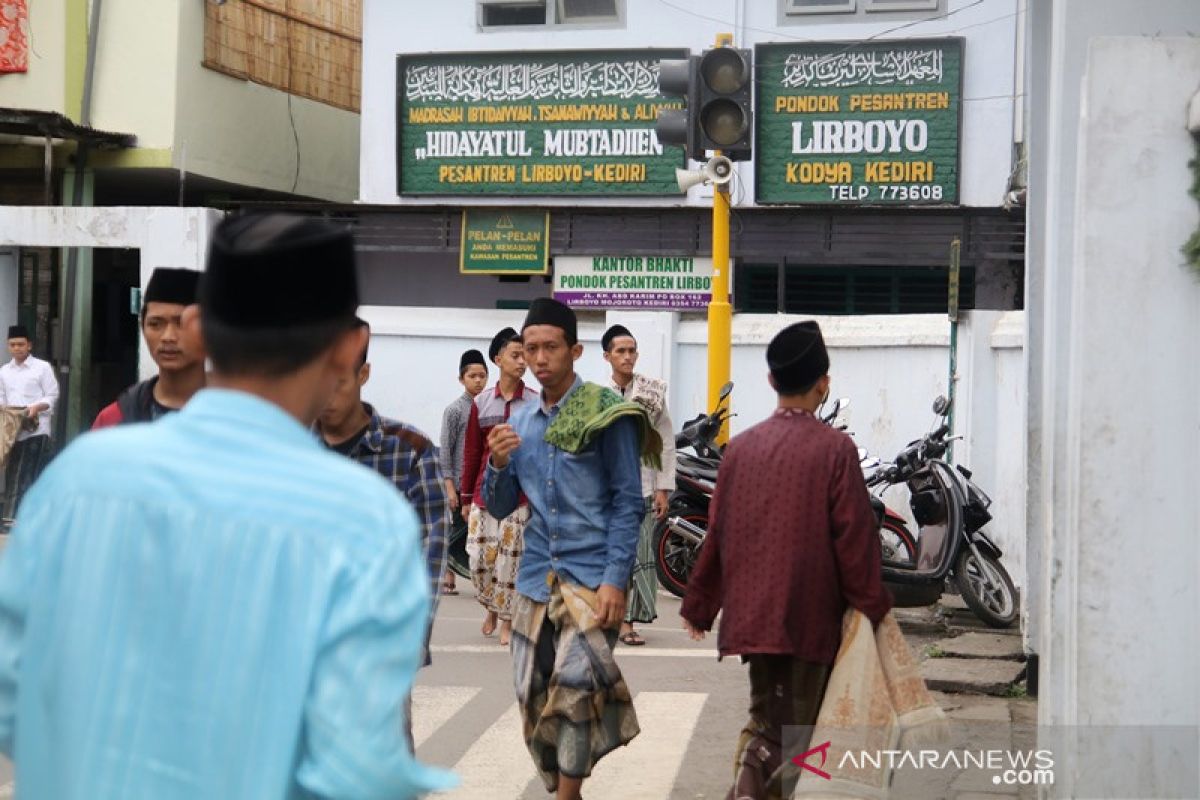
[[651, 394], [12, 422], [494, 548], [876, 700], [574, 703], [642, 600]]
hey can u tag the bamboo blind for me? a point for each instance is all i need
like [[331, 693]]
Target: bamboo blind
[[310, 48]]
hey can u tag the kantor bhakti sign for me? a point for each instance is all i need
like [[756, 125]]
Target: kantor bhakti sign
[[538, 123], [649, 282], [870, 123], [504, 241]]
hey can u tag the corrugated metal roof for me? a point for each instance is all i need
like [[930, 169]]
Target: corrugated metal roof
[[25, 122]]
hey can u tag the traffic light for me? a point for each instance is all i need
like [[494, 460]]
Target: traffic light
[[677, 126], [717, 114], [725, 105]]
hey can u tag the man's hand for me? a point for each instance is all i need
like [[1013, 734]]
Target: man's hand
[[451, 495], [610, 602], [696, 633], [466, 511], [661, 503], [502, 441]]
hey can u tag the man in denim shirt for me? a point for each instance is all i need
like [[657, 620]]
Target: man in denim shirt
[[575, 455]]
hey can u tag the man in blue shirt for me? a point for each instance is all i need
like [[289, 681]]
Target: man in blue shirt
[[212, 605], [574, 455]]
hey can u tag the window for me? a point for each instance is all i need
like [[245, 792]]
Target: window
[[901, 5], [854, 10], [587, 11], [499, 13], [847, 290], [818, 6], [308, 49], [503, 13]]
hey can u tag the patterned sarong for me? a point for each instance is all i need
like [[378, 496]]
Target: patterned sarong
[[494, 548], [642, 605], [574, 703]]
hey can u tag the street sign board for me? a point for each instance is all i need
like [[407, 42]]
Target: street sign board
[[674, 283], [533, 123], [859, 123], [502, 241]]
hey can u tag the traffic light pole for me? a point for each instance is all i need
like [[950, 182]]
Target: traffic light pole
[[720, 313]]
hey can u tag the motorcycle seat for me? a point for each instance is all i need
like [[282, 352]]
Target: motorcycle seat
[[697, 471]]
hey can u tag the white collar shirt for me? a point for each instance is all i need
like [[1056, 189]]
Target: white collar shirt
[[28, 383]]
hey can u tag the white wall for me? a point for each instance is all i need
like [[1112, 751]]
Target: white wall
[[137, 65], [989, 27], [237, 131], [1058, 34], [166, 237], [891, 368], [43, 86], [1117, 445]]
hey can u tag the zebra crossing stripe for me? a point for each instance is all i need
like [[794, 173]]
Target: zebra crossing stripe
[[646, 769], [433, 706], [621, 652], [497, 765]]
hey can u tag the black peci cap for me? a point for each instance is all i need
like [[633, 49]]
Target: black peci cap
[[797, 356], [278, 270]]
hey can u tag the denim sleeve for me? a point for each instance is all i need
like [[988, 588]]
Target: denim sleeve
[[501, 490], [622, 463]]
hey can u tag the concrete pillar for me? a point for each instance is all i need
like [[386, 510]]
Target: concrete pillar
[[655, 334], [1120, 451]]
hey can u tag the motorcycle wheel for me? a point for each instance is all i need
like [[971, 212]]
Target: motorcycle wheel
[[675, 556], [986, 588], [897, 546]]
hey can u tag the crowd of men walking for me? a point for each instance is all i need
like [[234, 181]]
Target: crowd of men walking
[[222, 604]]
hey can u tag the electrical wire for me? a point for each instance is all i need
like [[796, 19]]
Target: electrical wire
[[774, 32], [287, 7]]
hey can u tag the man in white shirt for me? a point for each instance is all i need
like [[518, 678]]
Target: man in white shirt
[[26, 381]]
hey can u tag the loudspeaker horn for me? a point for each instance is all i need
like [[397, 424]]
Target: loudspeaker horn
[[719, 170], [687, 178]]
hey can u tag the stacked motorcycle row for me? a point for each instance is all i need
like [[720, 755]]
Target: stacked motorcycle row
[[948, 551]]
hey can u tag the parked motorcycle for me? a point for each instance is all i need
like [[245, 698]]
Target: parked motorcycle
[[950, 511], [677, 538]]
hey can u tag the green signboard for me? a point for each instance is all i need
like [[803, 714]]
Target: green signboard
[[868, 123], [540, 123], [504, 242]]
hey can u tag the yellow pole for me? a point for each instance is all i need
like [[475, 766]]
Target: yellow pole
[[720, 313]]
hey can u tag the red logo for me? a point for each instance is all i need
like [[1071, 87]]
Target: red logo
[[801, 760]]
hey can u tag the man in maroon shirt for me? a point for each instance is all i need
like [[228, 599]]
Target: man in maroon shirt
[[784, 557]]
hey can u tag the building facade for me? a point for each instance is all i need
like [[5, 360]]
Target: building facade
[[182, 103], [548, 105]]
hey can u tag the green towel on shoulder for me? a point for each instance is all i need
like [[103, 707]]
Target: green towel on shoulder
[[589, 410]]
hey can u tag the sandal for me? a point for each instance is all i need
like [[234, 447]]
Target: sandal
[[632, 639], [449, 588]]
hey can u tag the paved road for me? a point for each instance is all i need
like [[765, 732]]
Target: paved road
[[690, 708]]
